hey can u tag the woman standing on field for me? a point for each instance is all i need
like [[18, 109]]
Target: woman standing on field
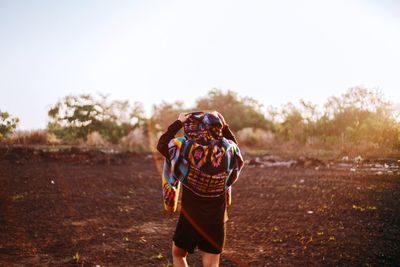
[[206, 161]]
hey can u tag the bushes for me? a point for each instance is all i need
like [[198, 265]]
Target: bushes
[[250, 137], [76, 117], [95, 139], [359, 121], [36, 137], [239, 112], [135, 139], [8, 124]]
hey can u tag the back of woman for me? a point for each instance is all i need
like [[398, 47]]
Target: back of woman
[[206, 161]]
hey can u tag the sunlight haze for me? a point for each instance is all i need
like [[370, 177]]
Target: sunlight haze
[[153, 51]]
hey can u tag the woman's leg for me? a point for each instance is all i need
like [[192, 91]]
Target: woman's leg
[[210, 259], [179, 256]]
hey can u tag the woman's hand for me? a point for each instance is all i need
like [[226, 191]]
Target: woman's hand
[[183, 117]]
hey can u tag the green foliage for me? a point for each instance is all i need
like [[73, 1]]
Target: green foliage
[[8, 124], [74, 117], [239, 112], [19, 196], [362, 115], [77, 257], [293, 124], [358, 117], [159, 256]]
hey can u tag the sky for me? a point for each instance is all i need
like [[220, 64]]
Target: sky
[[153, 51]]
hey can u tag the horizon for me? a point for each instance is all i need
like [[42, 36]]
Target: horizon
[[154, 51]]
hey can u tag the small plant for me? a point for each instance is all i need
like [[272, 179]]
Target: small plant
[[76, 257], [122, 209], [159, 256], [95, 139], [19, 196], [134, 139], [8, 124], [363, 209], [358, 208], [36, 137]]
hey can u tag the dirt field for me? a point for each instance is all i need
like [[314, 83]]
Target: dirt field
[[94, 208]]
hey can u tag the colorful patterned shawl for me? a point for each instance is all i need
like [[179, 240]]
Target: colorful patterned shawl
[[202, 160]]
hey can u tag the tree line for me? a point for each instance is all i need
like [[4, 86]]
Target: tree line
[[359, 118]]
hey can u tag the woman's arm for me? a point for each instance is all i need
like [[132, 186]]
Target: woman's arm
[[166, 137], [164, 140], [226, 131]]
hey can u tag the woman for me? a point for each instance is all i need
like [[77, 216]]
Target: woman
[[206, 161]]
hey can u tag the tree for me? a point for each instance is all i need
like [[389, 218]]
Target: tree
[[8, 124], [292, 126], [361, 114], [165, 113], [75, 117], [358, 117], [239, 112]]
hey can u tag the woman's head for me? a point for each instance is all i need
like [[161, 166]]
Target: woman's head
[[204, 126]]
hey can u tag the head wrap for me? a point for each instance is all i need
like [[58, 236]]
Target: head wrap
[[203, 127]]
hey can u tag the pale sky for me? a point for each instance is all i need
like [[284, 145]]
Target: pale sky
[[149, 51]]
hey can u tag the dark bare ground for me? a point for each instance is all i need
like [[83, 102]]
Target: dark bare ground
[[109, 213]]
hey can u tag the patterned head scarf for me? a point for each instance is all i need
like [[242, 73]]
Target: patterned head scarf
[[203, 127]]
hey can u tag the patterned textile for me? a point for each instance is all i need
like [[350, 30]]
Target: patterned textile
[[203, 127], [202, 160]]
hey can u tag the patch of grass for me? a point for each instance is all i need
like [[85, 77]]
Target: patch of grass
[[159, 256], [122, 209], [19, 196], [358, 208], [366, 208], [77, 257]]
